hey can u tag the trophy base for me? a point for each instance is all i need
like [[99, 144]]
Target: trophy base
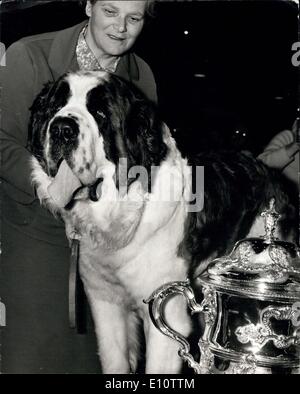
[[246, 366]]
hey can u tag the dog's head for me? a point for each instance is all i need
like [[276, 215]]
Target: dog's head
[[91, 120]]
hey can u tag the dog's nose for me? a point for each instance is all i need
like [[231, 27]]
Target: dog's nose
[[64, 128]]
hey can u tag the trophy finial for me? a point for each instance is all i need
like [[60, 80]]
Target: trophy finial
[[271, 217]]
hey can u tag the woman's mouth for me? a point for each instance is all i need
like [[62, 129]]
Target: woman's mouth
[[116, 38]]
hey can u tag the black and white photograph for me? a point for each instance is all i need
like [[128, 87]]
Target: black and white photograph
[[149, 189]]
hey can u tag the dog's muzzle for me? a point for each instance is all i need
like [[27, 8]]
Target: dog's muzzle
[[65, 129]]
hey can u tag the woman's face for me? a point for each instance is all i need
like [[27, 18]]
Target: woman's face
[[114, 25]]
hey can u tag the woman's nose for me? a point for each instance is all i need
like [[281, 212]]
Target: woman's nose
[[120, 25]]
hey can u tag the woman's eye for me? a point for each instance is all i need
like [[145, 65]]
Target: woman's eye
[[109, 12], [133, 19]]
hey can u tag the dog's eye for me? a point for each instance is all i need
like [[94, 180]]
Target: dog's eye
[[55, 131], [102, 114]]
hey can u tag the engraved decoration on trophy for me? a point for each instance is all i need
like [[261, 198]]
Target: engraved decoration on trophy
[[251, 307]]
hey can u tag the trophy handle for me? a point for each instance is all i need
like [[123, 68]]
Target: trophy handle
[[156, 307]]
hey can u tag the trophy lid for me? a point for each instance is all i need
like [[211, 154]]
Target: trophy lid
[[264, 266]]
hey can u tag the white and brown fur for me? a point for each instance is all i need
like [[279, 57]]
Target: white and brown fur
[[133, 243]]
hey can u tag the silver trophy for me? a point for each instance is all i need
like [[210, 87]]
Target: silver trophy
[[250, 304]]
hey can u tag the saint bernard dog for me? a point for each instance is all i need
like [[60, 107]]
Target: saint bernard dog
[[138, 235]]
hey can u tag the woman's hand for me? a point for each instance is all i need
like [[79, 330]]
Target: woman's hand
[[292, 148]]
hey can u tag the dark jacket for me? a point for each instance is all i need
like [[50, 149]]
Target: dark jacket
[[30, 63]]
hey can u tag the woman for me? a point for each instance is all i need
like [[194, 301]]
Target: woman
[[35, 260]]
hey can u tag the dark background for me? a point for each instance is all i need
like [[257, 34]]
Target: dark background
[[228, 83]]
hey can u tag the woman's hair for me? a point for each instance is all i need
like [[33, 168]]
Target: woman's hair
[[150, 4]]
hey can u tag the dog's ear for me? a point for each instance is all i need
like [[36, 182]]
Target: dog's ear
[[37, 123], [52, 97], [144, 134]]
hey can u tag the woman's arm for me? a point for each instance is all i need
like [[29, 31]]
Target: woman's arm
[[17, 94]]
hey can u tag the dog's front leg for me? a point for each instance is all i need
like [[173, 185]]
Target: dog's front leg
[[111, 332], [162, 352]]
